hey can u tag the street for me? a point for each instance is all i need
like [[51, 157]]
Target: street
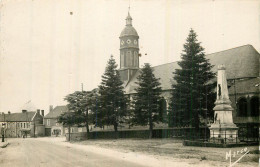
[[56, 152], [37, 153]]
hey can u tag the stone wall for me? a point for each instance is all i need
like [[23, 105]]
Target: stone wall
[[76, 136]]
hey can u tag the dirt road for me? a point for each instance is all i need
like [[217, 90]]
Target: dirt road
[[55, 152], [37, 153]]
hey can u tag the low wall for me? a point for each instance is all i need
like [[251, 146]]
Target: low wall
[[187, 133], [184, 133], [208, 144], [76, 136]]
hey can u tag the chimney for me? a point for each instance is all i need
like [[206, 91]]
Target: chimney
[[9, 112], [42, 112], [24, 111], [38, 111], [51, 108]]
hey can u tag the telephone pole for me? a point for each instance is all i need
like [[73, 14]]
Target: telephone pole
[[82, 87]]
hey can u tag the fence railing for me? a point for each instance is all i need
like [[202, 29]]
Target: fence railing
[[246, 134]]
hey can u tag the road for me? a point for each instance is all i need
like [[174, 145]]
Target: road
[[36, 153]]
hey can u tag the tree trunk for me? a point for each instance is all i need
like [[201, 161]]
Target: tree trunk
[[87, 122], [150, 128], [116, 132], [115, 127], [69, 132]]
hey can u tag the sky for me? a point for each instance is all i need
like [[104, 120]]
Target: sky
[[49, 47]]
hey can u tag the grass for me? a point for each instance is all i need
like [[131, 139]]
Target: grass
[[173, 148]]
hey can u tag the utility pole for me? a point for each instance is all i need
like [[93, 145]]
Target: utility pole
[[34, 126], [82, 87], [3, 129], [235, 93]]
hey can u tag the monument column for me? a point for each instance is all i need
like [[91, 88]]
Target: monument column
[[223, 126]]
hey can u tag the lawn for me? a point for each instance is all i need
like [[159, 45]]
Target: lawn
[[173, 148]]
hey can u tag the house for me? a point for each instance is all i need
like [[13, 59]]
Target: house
[[53, 128], [23, 123]]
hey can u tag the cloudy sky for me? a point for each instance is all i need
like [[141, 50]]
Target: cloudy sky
[[49, 47]]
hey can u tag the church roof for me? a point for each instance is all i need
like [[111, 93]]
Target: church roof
[[240, 62], [129, 31], [244, 85]]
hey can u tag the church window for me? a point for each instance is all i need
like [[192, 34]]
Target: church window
[[135, 59], [128, 58], [254, 104], [122, 60], [242, 107]]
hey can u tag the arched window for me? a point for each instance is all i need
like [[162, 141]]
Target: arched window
[[122, 61], [128, 59], [242, 107], [254, 103], [135, 59]]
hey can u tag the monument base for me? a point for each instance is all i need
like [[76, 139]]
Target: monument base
[[224, 133]]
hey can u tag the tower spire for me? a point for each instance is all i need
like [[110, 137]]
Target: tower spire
[[129, 18], [129, 7]]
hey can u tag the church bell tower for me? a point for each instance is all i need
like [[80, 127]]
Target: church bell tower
[[129, 51]]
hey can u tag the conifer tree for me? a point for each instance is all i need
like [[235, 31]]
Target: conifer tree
[[112, 100], [192, 95], [147, 98]]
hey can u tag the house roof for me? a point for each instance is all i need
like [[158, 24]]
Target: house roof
[[57, 111], [240, 62], [17, 117]]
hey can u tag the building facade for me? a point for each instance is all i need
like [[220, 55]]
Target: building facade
[[242, 68], [26, 123], [52, 127]]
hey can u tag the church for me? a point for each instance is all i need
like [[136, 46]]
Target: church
[[242, 68]]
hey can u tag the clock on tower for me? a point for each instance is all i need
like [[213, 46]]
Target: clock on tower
[[129, 49]]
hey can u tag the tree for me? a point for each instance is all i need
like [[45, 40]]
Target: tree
[[93, 105], [146, 101], [112, 100], [69, 119], [192, 94], [80, 102]]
